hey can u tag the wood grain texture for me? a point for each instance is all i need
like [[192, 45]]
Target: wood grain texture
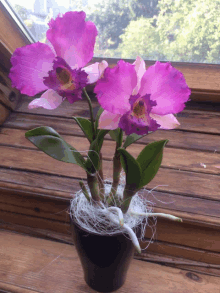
[[186, 252], [185, 234], [4, 113], [51, 214], [5, 62], [178, 262], [45, 266], [181, 159], [48, 216], [79, 108], [9, 288], [151, 254], [10, 34], [190, 120], [61, 189], [8, 96], [35, 189], [177, 138], [191, 183]]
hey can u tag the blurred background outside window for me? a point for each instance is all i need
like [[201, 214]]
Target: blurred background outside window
[[174, 30]]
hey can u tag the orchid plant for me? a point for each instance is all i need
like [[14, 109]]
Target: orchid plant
[[134, 101]]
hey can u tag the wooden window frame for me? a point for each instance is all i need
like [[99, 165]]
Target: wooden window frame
[[203, 79]]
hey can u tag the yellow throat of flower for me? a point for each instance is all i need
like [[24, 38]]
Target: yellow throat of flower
[[139, 110], [65, 79]]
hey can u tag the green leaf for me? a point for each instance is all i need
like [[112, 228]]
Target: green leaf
[[132, 138], [113, 134], [86, 127], [117, 135], [150, 160], [43, 130], [93, 161], [97, 143], [97, 118], [120, 137], [51, 143], [131, 168]]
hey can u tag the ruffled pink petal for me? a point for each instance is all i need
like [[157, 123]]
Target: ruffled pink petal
[[49, 100], [167, 87], [95, 71], [168, 121], [29, 65], [140, 70], [115, 88], [73, 38], [108, 120]]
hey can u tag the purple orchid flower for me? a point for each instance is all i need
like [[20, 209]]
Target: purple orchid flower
[[139, 100], [57, 67]]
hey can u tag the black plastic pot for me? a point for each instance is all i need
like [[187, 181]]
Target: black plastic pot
[[105, 259]]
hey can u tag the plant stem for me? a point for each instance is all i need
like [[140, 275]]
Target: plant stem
[[117, 167], [93, 186], [101, 178], [84, 190], [127, 197], [91, 112]]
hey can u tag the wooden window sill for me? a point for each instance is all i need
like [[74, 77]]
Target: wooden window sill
[[35, 189], [30, 264]]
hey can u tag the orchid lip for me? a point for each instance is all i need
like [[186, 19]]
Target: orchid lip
[[58, 70], [138, 119], [65, 78], [67, 82], [139, 111]]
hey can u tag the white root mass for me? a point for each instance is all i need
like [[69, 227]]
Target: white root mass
[[104, 220]]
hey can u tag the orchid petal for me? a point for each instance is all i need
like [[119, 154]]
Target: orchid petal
[[167, 87], [115, 88], [168, 121], [29, 65], [140, 69], [108, 120], [73, 38], [49, 100], [95, 71]]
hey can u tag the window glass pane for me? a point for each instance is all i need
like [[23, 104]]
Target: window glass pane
[[174, 30]]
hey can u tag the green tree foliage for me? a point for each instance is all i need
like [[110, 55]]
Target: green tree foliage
[[183, 30], [112, 16], [141, 38]]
